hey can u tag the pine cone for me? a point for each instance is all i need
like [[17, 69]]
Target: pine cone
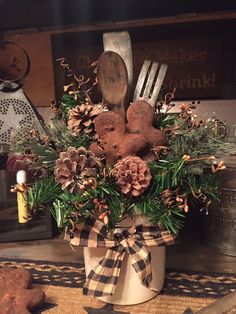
[[81, 119], [73, 166], [132, 175]]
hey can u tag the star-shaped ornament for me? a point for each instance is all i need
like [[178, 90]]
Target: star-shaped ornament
[[12, 120], [16, 113]]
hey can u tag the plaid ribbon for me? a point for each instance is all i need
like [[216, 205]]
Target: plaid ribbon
[[102, 280]]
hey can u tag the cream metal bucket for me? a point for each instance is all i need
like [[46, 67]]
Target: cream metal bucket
[[129, 289]]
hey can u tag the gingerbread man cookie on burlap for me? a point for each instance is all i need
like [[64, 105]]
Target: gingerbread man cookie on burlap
[[16, 295]]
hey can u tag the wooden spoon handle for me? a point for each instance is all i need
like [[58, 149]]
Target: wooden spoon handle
[[120, 109]]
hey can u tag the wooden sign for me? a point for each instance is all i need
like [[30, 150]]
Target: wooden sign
[[194, 64]]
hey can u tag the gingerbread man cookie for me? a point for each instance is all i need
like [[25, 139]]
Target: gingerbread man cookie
[[140, 119], [16, 296], [114, 141]]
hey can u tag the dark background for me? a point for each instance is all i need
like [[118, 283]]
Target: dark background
[[217, 36], [40, 13]]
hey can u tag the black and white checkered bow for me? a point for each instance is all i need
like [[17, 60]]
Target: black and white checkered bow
[[102, 280]]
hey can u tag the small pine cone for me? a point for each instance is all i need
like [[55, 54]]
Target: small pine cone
[[132, 175], [81, 119], [74, 165]]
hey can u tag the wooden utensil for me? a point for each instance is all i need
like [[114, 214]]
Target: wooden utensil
[[120, 43], [150, 81], [113, 81]]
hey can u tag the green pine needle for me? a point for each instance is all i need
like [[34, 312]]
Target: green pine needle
[[43, 193]]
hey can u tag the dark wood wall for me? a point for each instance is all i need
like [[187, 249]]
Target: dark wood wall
[[40, 13]]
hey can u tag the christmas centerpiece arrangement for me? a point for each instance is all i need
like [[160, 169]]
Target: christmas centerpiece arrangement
[[97, 170]]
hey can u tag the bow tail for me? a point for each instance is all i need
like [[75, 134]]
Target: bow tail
[[102, 279], [141, 261]]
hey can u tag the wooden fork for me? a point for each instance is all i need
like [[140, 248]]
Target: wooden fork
[[150, 81]]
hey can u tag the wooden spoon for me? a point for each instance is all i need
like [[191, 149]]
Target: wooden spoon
[[120, 43], [113, 81]]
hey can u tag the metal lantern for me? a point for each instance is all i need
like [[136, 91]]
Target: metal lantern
[[16, 111]]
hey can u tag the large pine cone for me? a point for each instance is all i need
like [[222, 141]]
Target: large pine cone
[[81, 119], [132, 175], [74, 165]]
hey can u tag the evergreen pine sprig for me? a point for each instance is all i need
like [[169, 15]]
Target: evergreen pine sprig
[[169, 218], [64, 207], [43, 193], [172, 182], [43, 149], [196, 141]]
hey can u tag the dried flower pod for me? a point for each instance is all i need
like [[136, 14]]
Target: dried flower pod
[[183, 107], [221, 164], [73, 166], [132, 175], [186, 157], [217, 167]]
